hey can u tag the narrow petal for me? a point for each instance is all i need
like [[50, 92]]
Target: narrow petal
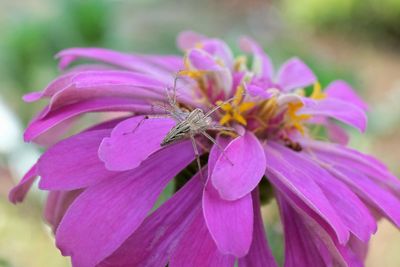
[[57, 204], [197, 248], [117, 207], [38, 126], [337, 109], [348, 206], [262, 64], [18, 192], [155, 240], [308, 244], [73, 163], [132, 141], [382, 200], [260, 254], [342, 90], [337, 134], [295, 74], [240, 169], [344, 156], [138, 63], [299, 183]]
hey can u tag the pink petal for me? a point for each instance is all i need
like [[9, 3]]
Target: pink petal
[[343, 91], [262, 63], [308, 244], [105, 215], [237, 180], [260, 254], [232, 236], [382, 200], [73, 163], [202, 60], [337, 134], [295, 74], [197, 248], [40, 126], [299, 185], [230, 222], [138, 63], [156, 238], [188, 39], [18, 192], [348, 206], [132, 141], [57, 204], [337, 109]]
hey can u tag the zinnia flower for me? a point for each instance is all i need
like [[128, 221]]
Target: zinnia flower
[[104, 181]]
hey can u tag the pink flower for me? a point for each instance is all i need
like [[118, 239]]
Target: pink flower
[[105, 180]]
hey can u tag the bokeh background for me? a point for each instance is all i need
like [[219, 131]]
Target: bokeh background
[[354, 40]]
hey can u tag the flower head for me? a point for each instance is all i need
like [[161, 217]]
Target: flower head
[[105, 180]]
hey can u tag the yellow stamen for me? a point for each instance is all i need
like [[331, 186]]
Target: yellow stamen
[[317, 93], [234, 111], [240, 63], [297, 120]]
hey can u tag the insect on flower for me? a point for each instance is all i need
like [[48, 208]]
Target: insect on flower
[[191, 123]]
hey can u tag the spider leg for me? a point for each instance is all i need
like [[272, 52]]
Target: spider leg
[[196, 152], [209, 137], [219, 106]]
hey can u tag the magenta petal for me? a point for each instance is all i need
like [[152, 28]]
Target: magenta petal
[[294, 74], [230, 222], [18, 192], [188, 39], [132, 141], [73, 163], [57, 204], [201, 60], [308, 244], [40, 126], [382, 200], [197, 248], [262, 63], [301, 184], [105, 215], [138, 63], [260, 254], [156, 238], [248, 159], [342, 90], [349, 207], [231, 236], [337, 109], [337, 134]]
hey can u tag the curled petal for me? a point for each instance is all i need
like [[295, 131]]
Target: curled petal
[[262, 64], [295, 74], [132, 141], [342, 90], [18, 192], [338, 109], [238, 171]]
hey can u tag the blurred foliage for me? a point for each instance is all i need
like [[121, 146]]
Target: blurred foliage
[[377, 19], [30, 43]]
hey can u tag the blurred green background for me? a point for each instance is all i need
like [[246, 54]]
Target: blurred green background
[[355, 40]]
